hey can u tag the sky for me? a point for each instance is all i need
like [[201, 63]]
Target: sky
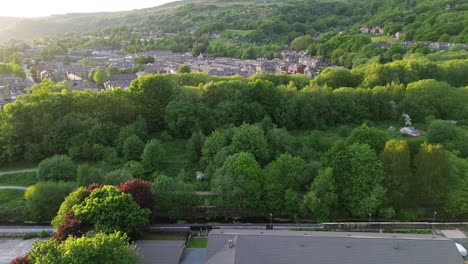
[[39, 8]]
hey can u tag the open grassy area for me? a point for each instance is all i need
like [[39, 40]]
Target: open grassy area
[[198, 242], [18, 179], [383, 39], [162, 236], [12, 199]]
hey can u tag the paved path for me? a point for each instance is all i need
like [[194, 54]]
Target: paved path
[[13, 188], [19, 230], [16, 171]]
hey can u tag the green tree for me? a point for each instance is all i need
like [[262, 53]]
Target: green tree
[[321, 199], [56, 168], [74, 198], [441, 131], [238, 182], [87, 174], [117, 177], [153, 155], [373, 137], [184, 69], [96, 248], [100, 77], [358, 175], [250, 138], [456, 205], [133, 148], [44, 198], [301, 43], [195, 145], [110, 210], [396, 162], [432, 179]]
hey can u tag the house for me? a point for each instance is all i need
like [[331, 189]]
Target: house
[[160, 251], [226, 246], [120, 80]]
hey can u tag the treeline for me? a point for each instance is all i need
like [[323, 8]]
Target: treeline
[[242, 141]]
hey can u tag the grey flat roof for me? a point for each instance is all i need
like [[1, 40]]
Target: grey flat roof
[[295, 247], [160, 251]]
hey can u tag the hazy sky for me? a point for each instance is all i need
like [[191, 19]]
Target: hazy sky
[[36, 8]]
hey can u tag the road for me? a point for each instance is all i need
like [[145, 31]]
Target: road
[[13, 188], [16, 171]]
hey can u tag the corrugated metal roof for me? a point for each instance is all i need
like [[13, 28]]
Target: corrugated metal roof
[[271, 247]]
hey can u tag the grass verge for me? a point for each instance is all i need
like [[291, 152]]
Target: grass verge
[[12, 199], [197, 242], [18, 179]]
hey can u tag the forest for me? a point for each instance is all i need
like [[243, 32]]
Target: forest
[[323, 149]]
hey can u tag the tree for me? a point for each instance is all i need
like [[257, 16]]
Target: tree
[[397, 168], [301, 43], [144, 60], [74, 198], [212, 145], [456, 204], [336, 78], [358, 175], [93, 248], [153, 155], [321, 199], [110, 210], [117, 177], [141, 191], [87, 174], [184, 69], [133, 148], [56, 168], [285, 173], [152, 94], [432, 179], [44, 199], [250, 138], [195, 145], [373, 137], [100, 77], [441, 131], [174, 196], [238, 182]]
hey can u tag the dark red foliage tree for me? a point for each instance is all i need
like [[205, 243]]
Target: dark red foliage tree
[[71, 227], [21, 260], [93, 186], [141, 191]]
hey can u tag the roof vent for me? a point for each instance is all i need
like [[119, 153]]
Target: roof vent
[[231, 243], [396, 245]]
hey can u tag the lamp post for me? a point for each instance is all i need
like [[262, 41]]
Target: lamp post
[[370, 217], [433, 220], [271, 220]]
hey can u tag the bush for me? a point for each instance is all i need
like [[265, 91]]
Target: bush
[[56, 168], [21, 260], [141, 191], [133, 147], [109, 209], [117, 177], [153, 154], [441, 131], [92, 248], [72, 199], [87, 174], [135, 169], [44, 198], [71, 226]]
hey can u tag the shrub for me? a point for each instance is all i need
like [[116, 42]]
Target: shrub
[[133, 147], [71, 226], [56, 168], [117, 177], [87, 174], [153, 154], [44, 198], [109, 209], [21, 260], [441, 131], [72, 199], [141, 191]]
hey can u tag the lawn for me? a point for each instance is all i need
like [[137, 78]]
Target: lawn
[[382, 39], [18, 165], [11, 199], [197, 242], [18, 179], [162, 236]]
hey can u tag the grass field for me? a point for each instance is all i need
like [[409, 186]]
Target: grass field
[[382, 39], [18, 179], [18, 165], [198, 243], [11, 199]]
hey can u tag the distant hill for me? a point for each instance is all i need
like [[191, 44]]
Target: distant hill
[[268, 21]]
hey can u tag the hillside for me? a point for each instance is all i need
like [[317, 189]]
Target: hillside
[[277, 22]]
